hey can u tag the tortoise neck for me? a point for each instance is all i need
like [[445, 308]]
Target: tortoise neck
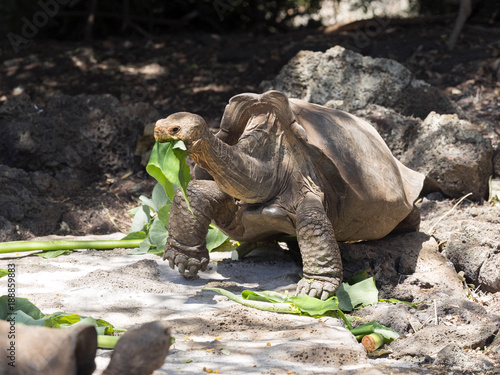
[[234, 170]]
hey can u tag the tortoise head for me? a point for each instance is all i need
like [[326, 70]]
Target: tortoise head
[[183, 126]]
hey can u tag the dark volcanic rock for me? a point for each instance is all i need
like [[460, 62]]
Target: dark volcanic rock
[[87, 134], [48, 155]]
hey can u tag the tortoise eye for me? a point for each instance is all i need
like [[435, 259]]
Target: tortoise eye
[[174, 130]]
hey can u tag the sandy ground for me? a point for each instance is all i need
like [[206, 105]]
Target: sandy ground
[[211, 332]]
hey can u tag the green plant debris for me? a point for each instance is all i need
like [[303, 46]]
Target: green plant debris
[[373, 327], [53, 253], [347, 299], [358, 295], [27, 313]]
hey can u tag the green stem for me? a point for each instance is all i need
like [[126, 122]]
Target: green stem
[[107, 342], [20, 246], [363, 330]]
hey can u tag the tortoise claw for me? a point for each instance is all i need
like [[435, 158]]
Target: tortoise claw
[[322, 289], [188, 262]]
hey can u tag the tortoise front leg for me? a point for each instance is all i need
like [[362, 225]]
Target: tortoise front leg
[[187, 232], [322, 264]]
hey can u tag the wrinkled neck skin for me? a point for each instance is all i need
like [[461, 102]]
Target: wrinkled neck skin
[[248, 170]]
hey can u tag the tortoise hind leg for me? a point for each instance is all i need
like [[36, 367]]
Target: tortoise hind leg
[[186, 243], [322, 264]]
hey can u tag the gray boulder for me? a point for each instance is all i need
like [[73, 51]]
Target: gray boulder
[[446, 344], [476, 251], [453, 155], [346, 80]]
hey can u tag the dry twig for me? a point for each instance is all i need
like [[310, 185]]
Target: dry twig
[[433, 227]]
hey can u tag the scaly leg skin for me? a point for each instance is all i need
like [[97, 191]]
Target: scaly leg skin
[[186, 243], [322, 264]]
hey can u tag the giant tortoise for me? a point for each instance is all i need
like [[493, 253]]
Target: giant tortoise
[[281, 166]]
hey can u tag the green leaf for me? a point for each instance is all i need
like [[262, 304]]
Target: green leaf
[[358, 295], [148, 202], [53, 253], [215, 238], [69, 319], [156, 250], [141, 219], [20, 304], [3, 272], [140, 235], [23, 318], [228, 245], [145, 245], [134, 210], [167, 165], [138, 251], [158, 234], [265, 296], [109, 327], [314, 306], [159, 196], [164, 214], [363, 275]]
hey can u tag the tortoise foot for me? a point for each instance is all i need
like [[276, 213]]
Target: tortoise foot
[[186, 258], [322, 288]]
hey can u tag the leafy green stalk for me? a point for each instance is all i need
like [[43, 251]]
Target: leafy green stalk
[[287, 308], [21, 246]]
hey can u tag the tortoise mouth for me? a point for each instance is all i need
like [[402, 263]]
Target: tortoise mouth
[[164, 133]]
